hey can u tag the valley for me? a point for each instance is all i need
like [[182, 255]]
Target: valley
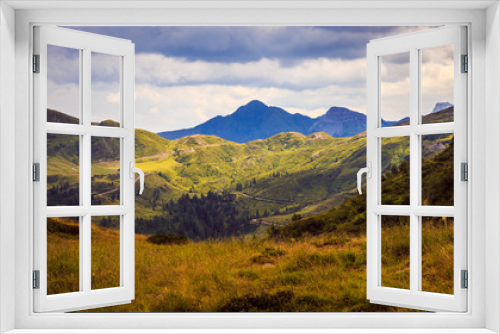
[[272, 225]]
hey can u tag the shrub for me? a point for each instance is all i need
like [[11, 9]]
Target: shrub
[[168, 239], [54, 226], [267, 255], [264, 302]]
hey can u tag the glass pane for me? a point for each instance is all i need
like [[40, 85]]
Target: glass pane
[[437, 254], [63, 255], [437, 72], [395, 242], [105, 252], [395, 89], [438, 170], [106, 92], [63, 85], [395, 170], [105, 171], [63, 170]]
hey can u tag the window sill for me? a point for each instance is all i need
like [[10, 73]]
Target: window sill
[[253, 331]]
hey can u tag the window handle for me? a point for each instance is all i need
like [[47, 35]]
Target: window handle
[[134, 170], [368, 171]]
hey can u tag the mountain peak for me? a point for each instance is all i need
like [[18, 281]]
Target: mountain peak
[[255, 120], [256, 103], [441, 106], [339, 110], [340, 122]]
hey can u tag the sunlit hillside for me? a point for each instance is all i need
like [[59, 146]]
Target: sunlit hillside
[[313, 264]]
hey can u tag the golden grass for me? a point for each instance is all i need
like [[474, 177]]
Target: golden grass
[[322, 274]]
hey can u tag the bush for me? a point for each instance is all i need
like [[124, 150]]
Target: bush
[[54, 226], [267, 255], [264, 302], [168, 239]]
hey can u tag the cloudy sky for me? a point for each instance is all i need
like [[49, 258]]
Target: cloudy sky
[[187, 75]]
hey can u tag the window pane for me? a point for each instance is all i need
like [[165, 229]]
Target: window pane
[[395, 170], [63, 170], [105, 252], [395, 246], [63, 255], [106, 90], [437, 72], [437, 170], [437, 254], [395, 89], [63, 85], [105, 171]]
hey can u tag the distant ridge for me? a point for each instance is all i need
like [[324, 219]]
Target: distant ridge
[[256, 120]]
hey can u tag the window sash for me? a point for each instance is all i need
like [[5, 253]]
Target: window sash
[[414, 298], [87, 43]]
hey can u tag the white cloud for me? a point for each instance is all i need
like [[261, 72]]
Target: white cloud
[[64, 97], [172, 93], [311, 73]]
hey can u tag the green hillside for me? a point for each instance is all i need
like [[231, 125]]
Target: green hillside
[[315, 264], [350, 216], [270, 179], [272, 225]]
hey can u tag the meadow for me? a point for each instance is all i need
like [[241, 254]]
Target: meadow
[[324, 273]]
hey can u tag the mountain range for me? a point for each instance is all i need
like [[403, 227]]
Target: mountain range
[[256, 120]]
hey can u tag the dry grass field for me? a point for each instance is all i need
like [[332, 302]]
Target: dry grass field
[[323, 273]]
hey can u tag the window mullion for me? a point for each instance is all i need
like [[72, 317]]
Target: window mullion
[[414, 171], [85, 165]]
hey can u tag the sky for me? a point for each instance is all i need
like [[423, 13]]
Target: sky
[[187, 75]]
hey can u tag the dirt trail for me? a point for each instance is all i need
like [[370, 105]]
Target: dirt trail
[[257, 198], [115, 190]]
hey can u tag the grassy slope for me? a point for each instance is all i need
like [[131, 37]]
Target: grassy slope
[[323, 273], [314, 170], [314, 264], [311, 169]]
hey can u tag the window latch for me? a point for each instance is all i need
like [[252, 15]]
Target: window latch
[[134, 170], [368, 171]]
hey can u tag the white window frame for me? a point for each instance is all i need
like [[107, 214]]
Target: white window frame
[[484, 50], [86, 44], [413, 44]]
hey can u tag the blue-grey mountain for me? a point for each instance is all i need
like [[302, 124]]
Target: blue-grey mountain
[[259, 121], [252, 121]]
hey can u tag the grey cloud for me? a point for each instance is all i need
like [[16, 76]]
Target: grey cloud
[[246, 44]]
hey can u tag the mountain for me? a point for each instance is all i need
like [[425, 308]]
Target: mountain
[[440, 106], [259, 121], [341, 122], [250, 122], [441, 116]]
